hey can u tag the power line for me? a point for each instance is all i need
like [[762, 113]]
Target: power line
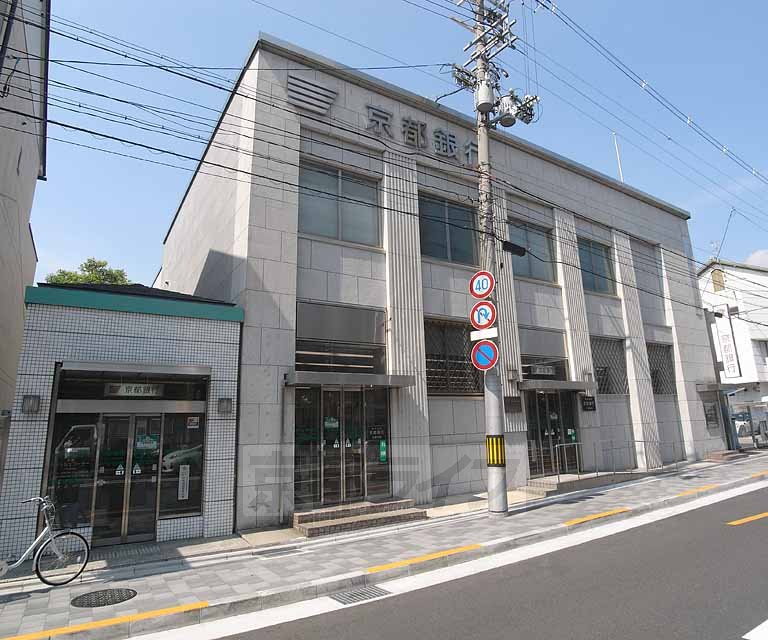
[[649, 89], [216, 87]]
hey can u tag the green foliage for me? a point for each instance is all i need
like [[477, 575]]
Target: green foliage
[[92, 271]]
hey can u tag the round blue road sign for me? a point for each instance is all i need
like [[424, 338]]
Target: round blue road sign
[[485, 355]]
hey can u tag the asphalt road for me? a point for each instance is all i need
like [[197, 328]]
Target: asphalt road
[[689, 576]]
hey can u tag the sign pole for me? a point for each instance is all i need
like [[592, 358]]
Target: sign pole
[[494, 399]]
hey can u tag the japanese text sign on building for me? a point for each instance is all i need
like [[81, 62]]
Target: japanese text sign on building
[[729, 355], [415, 133], [133, 390]]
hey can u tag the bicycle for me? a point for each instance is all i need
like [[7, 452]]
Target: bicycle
[[61, 558]]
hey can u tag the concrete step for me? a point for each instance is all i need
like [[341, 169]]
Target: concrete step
[[362, 521], [726, 456], [349, 511]]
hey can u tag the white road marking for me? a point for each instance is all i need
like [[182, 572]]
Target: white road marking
[[298, 611], [758, 633]]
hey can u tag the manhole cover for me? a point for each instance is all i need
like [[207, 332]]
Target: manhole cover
[[360, 595], [103, 598]]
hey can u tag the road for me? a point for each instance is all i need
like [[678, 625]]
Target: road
[[691, 576]]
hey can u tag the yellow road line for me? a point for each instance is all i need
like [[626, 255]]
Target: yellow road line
[[690, 492], [596, 516], [760, 474], [108, 622], [759, 516], [416, 560]]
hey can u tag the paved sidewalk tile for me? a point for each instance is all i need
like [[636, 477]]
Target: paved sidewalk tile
[[31, 608]]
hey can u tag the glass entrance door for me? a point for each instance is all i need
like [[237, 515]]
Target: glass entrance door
[[552, 435], [125, 507], [342, 445]]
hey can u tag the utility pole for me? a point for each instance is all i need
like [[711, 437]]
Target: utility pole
[[492, 35]]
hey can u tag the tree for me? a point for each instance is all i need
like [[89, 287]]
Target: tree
[[92, 271]]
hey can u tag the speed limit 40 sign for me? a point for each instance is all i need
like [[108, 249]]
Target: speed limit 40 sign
[[481, 285]]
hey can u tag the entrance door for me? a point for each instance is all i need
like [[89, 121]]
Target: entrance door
[[354, 443], [126, 482], [552, 436]]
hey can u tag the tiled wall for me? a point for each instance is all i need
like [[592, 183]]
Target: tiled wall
[[331, 272], [53, 334]]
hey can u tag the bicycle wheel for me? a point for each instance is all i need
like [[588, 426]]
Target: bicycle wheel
[[62, 558]]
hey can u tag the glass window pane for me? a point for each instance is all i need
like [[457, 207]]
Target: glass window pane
[[520, 264], [462, 235], [432, 228], [181, 480], [73, 456], [585, 261], [318, 212], [541, 255], [359, 211]]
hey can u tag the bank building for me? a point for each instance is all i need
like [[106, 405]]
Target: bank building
[[306, 340]]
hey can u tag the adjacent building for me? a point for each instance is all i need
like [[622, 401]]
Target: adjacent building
[[737, 295], [125, 414], [24, 40], [338, 211]]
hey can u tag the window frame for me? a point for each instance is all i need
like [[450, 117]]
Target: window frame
[[610, 278], [445, 202], [340, 176], [762, 347], [547, 233]]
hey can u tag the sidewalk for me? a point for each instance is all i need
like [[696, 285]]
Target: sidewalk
[[236, 580]]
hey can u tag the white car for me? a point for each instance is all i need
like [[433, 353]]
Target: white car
[[192, 456]]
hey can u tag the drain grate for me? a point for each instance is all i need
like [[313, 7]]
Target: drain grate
[[360, 595], [103, 598]]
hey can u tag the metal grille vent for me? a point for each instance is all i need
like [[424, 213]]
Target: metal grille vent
[[309, 95], [360, 595], [662, 368], [102, 598], [610, 364], [449, 368]]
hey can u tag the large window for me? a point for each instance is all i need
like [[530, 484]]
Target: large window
[[447, 230], [449, 369], [610, 362], [335, 204], [181, 480], [538, 262], [596, 266], [662, 366], [72, 464]]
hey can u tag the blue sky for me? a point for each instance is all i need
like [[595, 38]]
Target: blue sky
[[704, 56]]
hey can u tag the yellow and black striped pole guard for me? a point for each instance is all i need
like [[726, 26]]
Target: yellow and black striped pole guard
[[494, 451]]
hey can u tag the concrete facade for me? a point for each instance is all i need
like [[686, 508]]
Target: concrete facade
[[22, 163], [240, 240]]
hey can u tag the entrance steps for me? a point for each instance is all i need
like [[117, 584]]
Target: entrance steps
[[352, 517], [727, 456], [551, 485]]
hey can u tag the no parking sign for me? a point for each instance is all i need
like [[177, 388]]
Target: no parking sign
[[485, 355]]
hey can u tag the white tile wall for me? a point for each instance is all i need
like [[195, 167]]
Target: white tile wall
[[54, 334]]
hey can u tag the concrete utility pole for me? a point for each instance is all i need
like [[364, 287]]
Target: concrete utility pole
[[493, 396], [492, 35]]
